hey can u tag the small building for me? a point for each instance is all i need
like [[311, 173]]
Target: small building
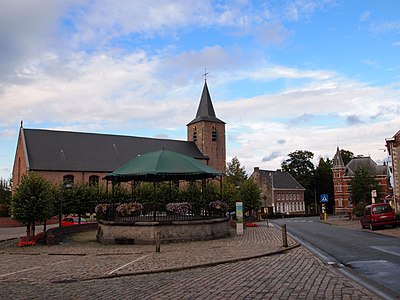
[[393, 148], [280, 192], [84, 157], [343, 175]]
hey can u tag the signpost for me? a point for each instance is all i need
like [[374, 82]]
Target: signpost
[[323, 201], [239, 217]]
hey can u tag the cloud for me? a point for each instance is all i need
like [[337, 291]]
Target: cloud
[[384, 27], [281, 141], [353, 119], [26, 29], [365, 15], [271, 156], [304, 118]]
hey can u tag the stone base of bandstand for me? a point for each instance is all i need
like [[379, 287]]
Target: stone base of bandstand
[[110, 232]]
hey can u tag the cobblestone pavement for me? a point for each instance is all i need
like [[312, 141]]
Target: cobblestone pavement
[[252, 266]]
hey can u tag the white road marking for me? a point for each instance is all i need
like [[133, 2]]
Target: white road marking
[[394, 250], [20, 271], [129, 263]]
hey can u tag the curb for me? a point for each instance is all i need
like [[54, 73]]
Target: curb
[[176, 269]]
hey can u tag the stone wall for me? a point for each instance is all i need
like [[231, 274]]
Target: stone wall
[[175, 231]]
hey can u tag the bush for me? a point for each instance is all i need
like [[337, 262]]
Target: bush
[[358, 210]]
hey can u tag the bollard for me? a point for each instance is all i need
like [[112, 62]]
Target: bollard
[[284, 235], [158, 242]]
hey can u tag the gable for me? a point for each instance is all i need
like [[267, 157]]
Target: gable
[[75, 151]]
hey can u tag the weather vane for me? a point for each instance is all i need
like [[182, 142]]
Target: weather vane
[[205, 74]]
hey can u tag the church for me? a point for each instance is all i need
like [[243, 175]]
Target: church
[[80, 157]]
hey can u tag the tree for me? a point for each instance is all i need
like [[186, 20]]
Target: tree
[[299, 165], [237, 187], [32, 201], [235, 173], [324, 182], [361, 186], [5, 197], [347, 156]]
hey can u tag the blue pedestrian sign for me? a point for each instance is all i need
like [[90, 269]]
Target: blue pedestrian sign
[[324, 198]]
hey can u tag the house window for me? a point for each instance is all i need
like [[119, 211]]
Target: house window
[[194, 134], [340, 202], [68, 179], [279, 197], [339, 188], [93, 180], [214, 134]]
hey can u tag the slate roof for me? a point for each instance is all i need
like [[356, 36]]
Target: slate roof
[[77, 151], [281, 180], [205, 111], [367, 163]]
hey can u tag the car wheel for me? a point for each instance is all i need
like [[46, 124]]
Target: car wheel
[[372, 227], [394, 225]]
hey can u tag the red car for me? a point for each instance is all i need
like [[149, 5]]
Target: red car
[[378, 215], [70, 221]]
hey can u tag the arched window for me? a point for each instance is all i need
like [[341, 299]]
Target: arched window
[[93, 180], [214, 134], [194, 134]]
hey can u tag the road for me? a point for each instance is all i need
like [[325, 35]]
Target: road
[[373, 255]]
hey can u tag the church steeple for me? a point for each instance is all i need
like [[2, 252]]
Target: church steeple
[[205, 111], [208, 132], [337, 159]]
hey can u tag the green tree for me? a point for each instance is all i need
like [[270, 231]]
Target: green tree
[[235, 173], [251, 195], [361, 186], [324, 182], [347, 156], [5, 197], [237, 187], [32, 201], [299, 165]]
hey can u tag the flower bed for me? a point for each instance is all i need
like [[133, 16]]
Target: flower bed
[[34, 240], [179, 208], [250, 224]]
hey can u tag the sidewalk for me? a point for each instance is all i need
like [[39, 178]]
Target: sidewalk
[[257, 242], [271, 271], [355, 225]]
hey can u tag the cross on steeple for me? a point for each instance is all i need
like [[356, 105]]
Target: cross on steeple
[[205, 74]]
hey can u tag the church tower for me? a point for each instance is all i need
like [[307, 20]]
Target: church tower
[[208, 132], [339, 183]]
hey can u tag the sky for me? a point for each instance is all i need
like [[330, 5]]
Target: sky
[[284, 75]]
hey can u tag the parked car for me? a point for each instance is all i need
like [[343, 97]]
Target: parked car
[[71, 220], [376, 215]]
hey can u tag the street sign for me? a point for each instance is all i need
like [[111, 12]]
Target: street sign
[[324, 198]]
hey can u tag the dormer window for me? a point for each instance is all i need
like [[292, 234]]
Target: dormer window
[[194, 134], [214, 134]]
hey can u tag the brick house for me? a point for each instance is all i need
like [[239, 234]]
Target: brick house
[[393, 148], [343, 174], [280, 192], [87, 157]]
